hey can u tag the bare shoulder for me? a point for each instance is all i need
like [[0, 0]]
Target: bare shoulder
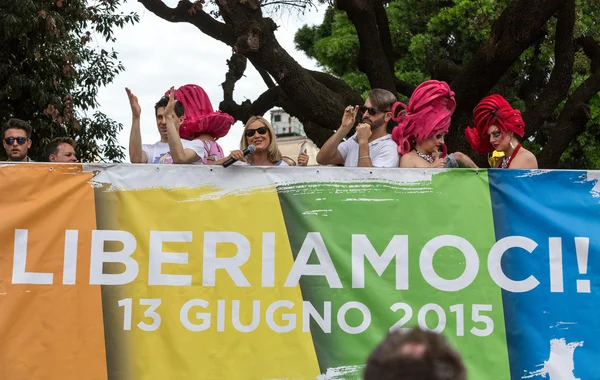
[[407, 160], [524, 160]]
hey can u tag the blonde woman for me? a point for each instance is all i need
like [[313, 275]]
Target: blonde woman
[[258, 132]]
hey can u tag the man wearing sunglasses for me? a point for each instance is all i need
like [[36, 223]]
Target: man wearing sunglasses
[[16, 138], [372, 145]]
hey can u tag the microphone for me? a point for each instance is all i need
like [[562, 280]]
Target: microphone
[[247, 151]]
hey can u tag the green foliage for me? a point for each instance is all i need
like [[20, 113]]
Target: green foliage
[[584, 152], [51, 68], [427, 31]]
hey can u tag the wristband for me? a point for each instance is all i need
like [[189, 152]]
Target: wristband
[[361, 157]]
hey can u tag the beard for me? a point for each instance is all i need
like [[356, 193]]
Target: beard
[[375, 124]]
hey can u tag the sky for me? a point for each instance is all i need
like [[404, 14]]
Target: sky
[[158, 54]]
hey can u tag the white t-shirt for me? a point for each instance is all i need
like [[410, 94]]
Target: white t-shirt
[[158, 153], [383, 152]]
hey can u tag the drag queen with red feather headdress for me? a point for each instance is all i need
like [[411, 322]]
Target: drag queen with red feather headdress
[[496, 125]]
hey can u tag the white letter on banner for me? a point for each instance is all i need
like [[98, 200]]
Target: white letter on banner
[[99, 257], [556, 266], [158, 257], [315, 242], [204, 317], [324, 322], [495, 264], [268, 260], [70, 260], [341, 317], [290, 318], [362, 248], [235, 316], [469, 253], [230, 264], [19, 275]]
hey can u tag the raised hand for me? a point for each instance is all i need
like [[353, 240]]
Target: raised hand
[[170, 108], [303, 159], [349, 116], [136, 110]]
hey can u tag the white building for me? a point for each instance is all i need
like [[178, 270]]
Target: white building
[[291, 136]]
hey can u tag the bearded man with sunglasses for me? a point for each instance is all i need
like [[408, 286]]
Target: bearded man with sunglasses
[[372, 145], [16, 138]]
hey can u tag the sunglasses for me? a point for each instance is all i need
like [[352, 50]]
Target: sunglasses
[[11, 140], [372, 110], [261, 131]]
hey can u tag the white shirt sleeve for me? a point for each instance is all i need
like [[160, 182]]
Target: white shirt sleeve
[[149, 150], [343, 148], [198, 147], [387, 156]]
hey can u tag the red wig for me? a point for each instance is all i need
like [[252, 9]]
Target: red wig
[[493, 110]]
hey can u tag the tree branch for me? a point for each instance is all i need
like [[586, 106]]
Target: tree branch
[[446, 70], [536, 76], [338, 86], [591, 48], [255, 39], [372, 59], [318, 134], [263, 74], [237, 67], [242, 112], [520, 25], [266, 101], [383, 26], [403, 87], [188, 12], [302, 4], [562, 74], [576, 113]]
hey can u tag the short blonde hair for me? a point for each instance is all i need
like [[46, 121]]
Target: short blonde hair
[[273, 153]]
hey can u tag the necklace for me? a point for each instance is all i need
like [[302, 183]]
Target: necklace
[[426, 157], [506, 160]]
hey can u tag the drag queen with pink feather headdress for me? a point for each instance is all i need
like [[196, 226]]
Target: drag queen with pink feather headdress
[[422, 126]]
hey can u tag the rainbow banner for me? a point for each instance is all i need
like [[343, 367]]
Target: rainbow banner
[[188, 272]]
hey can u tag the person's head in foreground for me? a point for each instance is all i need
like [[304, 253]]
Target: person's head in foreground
[[498, 127], [414, 354]]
